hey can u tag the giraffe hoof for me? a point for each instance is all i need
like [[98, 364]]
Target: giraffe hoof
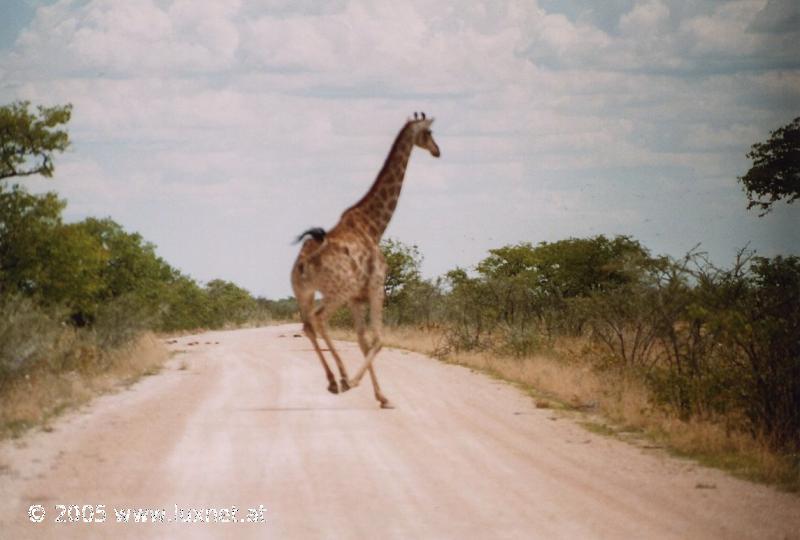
[[386, 404], [344, 385], [332, 388]]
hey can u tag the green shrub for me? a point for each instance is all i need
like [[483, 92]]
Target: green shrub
[[521, 341], [284, 309], [762, 326], [341, 318], [28, 335], [121, 320]]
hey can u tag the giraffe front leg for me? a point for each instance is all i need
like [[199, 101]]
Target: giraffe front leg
[[321, 317], [376, 323], [357, 309], [373, 352], [385, 403], [333, 388]]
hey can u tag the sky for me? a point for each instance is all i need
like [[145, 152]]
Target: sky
[[221, 130]]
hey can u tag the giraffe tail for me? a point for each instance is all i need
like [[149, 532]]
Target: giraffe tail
[[316, 233]]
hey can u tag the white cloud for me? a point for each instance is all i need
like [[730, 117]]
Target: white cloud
[[140, 36], [723, 32], [206, 118], [645, 19]]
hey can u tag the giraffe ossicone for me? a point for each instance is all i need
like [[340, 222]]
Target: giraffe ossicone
[[346, 266]]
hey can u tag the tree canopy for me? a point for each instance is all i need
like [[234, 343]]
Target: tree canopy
[[29, 140], [775, 174], [95, 267], [573, 267], [403, 263]]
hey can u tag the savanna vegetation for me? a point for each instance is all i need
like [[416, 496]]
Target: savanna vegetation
[[75, 296], [775, 173], [703, 358]]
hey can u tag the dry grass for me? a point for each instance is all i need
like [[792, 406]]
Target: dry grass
[[409, 338], [41, 395], [612, 404]]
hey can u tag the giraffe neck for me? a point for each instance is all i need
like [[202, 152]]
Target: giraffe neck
[[377, 206]]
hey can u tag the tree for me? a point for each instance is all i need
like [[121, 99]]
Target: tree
[[186, 305], [132, 266], [283, 309], [43, 258], [73, 262], [228, 303], [571, 267], [767, 333], [775, 173], [28, 141], [519, 287], [409, 298], [470, 309], [403, 262], [27, 225]]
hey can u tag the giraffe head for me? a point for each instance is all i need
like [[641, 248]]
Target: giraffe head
[[423, 136]]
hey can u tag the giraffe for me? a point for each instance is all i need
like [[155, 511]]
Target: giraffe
[[346, 266]]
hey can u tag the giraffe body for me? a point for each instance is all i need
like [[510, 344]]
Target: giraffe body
[[346, 266]]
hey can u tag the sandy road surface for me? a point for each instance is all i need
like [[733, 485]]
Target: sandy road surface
[[247, 421]]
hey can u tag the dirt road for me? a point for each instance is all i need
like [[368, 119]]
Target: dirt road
[[243, 419]]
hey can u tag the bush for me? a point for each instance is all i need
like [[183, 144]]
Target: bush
[[521, 341], [713, 341], [623, 321], [341, 318], [709, 342], [28, 335], [762, 326], [284, 309], [122, 320], [228, 304]]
